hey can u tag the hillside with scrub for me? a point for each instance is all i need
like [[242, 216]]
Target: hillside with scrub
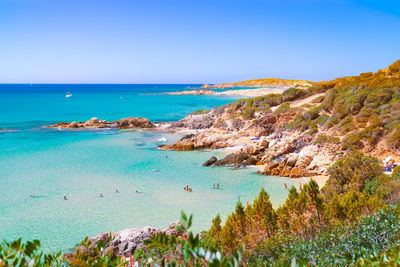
[[301, 132]]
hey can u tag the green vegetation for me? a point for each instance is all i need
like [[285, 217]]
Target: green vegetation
[[200, 111], [326, 139], [18, 253], [312, 225], [247, 107]]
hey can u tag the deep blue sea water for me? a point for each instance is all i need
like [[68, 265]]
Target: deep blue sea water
[[80, 164]]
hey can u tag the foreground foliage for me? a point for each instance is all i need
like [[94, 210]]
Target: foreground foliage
[[18, 253]]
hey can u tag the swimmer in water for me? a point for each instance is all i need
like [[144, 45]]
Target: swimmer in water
[[31, 195], [218, 186], [101, 195], [166, 156], [116, 191], [65, 198]]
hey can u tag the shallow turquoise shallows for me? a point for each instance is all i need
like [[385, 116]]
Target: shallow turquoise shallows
[[50, 163]]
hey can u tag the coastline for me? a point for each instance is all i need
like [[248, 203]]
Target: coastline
[[242, 92]]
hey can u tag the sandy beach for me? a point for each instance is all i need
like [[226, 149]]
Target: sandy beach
[[320, 179]]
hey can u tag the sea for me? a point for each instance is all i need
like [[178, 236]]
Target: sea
[[53, 163]]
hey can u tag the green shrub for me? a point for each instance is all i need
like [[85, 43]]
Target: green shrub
[[18, 253], [200, 111], [351, 173], [326, 139], [352, 141]]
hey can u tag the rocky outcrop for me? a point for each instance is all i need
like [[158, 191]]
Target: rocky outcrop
[[127, 123], [210, 162], [206, 86], [126, 242], [196, 121], [240, 159], [259, 140]]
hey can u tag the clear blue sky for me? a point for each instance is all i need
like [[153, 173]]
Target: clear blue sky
[[194, 41]]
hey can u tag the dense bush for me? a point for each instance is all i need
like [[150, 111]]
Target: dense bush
[[351, 173]]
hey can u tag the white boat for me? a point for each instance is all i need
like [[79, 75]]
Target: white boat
[[68, 95]]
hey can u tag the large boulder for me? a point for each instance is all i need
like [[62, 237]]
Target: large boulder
[[304, 161], [291, 160], [233, 159], [126, 242]]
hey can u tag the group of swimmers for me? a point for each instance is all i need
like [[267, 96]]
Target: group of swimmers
[[215, 186], [100, 194], [187, 188]]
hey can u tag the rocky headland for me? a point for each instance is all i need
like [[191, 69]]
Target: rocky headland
[[269, 82], [94, 123], [242, 92], [301, 132]]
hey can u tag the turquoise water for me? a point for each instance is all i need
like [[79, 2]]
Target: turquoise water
[[81, 164]]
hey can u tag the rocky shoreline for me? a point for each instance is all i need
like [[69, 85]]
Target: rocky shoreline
[[257, 142]]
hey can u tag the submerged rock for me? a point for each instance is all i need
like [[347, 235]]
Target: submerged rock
[[210, 162]]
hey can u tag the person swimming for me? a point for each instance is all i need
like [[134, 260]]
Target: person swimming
[[32, 196], [166, 156], [65, 198], [101, 195], [116, 191], [218, 186], [285, 185]]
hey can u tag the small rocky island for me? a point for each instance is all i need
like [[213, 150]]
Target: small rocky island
[[93, 123]]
